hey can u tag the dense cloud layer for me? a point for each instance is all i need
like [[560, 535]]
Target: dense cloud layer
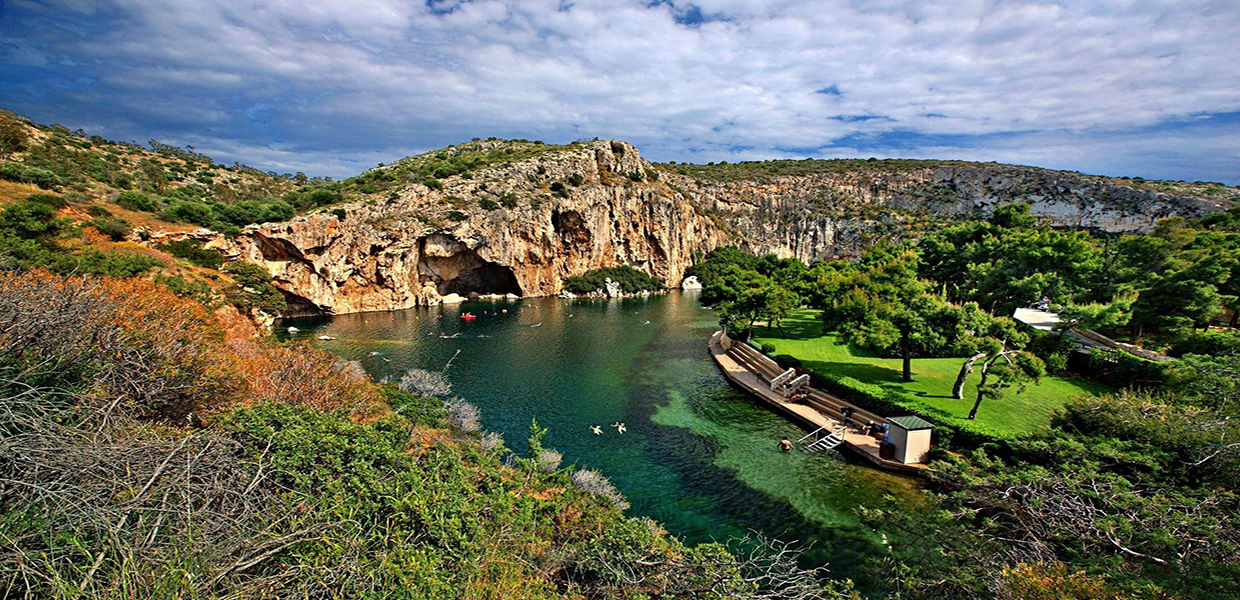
[[330, 87]]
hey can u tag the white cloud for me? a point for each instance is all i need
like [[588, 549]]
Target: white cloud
[[347, 78]]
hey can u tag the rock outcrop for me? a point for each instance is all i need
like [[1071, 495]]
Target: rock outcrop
[[522, 227], [406, 251]]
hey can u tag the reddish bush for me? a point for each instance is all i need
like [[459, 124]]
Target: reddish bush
[[122, 346], [303, 376]]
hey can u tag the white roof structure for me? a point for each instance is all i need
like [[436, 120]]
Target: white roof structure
[[1038, 319]]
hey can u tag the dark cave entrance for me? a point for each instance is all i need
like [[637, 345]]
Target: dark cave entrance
[[455, 268], [487, 278]]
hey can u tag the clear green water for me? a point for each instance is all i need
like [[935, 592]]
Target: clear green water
[[699, 455]]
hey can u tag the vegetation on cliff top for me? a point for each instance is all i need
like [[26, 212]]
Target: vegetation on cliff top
[[458, 160], [759, 170], [725, 171]]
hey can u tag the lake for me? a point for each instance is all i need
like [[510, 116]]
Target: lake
[[699, 455]]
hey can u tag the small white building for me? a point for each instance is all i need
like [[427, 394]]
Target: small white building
[[911, 437]]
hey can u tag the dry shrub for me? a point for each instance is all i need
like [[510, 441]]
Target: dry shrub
[[464, 415], [121, 346], [300, 375], [491, 441], [1054, 581], [595, 483], [85, 365], [427, 384], [549, 460]]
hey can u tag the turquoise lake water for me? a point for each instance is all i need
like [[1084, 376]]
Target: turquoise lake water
[[699, 455]]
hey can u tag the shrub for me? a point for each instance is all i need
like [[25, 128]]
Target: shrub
[[252, 211], [126, 346], [464, 415], [456, 215], [509, 200], [194, 252], [1207, 342], [299, 375], [433, 184], [137, 201], [116, 229], [107, 263], [491, 441], [1054, 349], [253, 289], [51, 200], [418, 409], [549, 461], [95, 210], [597, 485], [194, 289], [13, 171], [1125, 370], [488, 204], [425, 383], [576, 179], [31, 220], [190, 212]]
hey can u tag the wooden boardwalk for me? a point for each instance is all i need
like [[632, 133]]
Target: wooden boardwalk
[[752, 370]]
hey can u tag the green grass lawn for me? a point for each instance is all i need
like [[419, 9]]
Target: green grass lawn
[[930, 391]]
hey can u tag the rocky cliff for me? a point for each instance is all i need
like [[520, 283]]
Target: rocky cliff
[[832, 214], [534, 215], [421, 243]]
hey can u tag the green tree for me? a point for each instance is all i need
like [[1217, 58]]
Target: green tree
[[999, 346], [1010, 260], [739, 295], [778, 303], [885, 305]]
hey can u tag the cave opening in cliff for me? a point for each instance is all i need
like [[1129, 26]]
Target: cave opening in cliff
[[487, 278], [455, 268]]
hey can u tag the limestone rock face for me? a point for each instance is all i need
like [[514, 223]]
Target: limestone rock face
[[404, 251], [832, 215], [598, 204], [691, 283]]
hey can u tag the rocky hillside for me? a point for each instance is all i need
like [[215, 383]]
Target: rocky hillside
[[513, 227], [518, 217], [822, 209]]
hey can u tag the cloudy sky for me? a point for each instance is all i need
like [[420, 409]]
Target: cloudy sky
[[1136, 87]]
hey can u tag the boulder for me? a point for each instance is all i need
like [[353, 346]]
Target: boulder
[[612, 288]]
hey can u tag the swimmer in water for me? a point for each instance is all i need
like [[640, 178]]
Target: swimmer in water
[[596, 429]]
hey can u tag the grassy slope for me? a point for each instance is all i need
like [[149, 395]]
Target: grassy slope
[[1013, 414]]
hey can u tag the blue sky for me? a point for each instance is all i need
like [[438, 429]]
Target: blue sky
[[1120, 87]]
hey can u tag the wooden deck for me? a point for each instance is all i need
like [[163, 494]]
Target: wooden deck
[[752, 370]]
